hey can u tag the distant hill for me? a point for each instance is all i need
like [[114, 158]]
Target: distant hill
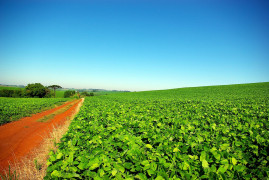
[[11, 87], [60, 92]]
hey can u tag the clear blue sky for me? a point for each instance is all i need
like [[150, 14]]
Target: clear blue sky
[[134, 44]]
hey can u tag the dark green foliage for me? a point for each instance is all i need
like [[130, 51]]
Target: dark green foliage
[[86, 93], [6, 93], [48, 94], [36, 90], [218, 132], [18, 93], [69, 93], [32, 90], [12, 93]]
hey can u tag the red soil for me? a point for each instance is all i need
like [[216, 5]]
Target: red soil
[[19, 138]]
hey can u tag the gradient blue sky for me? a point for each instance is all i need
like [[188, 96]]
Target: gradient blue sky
[[134, 45]]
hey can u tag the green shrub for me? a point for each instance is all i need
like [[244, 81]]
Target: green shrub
[[69, 93], [36, 90]]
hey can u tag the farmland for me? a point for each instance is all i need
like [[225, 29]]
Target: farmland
[[10, 87], [59, 94], [217, 132], [14, 108]]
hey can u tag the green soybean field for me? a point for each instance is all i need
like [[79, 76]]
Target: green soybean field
[[14, 108], [214, 132]]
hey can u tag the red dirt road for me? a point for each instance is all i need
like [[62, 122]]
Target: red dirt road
[[19, 138]]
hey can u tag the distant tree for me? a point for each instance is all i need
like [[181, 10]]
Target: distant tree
[[6, 93], [54, 87], [48, 94], [35, 90], [12, 93], [18, 93], [85, 93], [69, 93]]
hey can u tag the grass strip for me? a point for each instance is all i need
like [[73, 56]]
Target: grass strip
[[52, 115]]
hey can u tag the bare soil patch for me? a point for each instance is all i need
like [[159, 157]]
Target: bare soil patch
[[18, 139]]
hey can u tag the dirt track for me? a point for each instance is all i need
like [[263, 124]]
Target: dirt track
[[19, 138]]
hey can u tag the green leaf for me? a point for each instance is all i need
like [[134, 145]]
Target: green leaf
[[141, 176], [120, 168], [70, 175], [238, 143], [148, 146], [94, 166], [234, 161], [153, 166], [200, 139], [223, 168], [49, 163], [176, 149], [53, 158], [59, 155], [214, 126], [203, 156], [224, 161], [107, 168], [186, 166], [145, 162], [216, 155], [213, 149], [128, 165], [213, 168], [56, 173], [71, 157], [205, 164], [150, 172], [204, 177], [114, 172], [224, 146], [82, 165], [190, 156], [159, 178], [101, 172], [240, 168]]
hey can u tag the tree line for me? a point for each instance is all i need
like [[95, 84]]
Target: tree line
[[35, 90]]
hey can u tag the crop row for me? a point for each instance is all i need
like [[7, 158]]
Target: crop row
[[14, 108], [208, 132]]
